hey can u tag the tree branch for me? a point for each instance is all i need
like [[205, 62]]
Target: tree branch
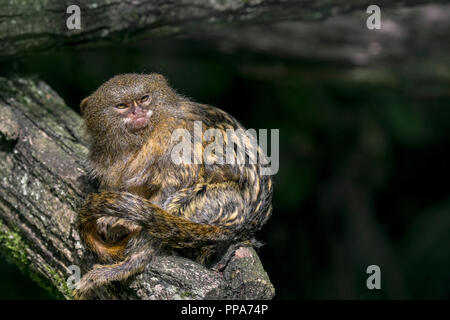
[[319, 29], [42, 184]]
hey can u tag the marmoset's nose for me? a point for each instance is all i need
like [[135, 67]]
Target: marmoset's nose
[[136, 108]]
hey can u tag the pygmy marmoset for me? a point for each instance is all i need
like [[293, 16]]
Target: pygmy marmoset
[[146, 201]]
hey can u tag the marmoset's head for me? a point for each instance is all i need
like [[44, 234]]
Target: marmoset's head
[[128, 106]]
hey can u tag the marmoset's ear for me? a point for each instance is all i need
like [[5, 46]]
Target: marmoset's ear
[[159, 77], [83, 105]]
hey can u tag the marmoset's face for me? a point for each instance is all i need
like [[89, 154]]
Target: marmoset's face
[[135, 113], [127, 104]]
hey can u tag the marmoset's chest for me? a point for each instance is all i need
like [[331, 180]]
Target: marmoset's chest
[[157, 180]]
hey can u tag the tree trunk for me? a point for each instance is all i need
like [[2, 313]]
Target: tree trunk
[[43, 182]]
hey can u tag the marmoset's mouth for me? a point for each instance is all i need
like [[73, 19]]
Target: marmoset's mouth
[[139, 122]]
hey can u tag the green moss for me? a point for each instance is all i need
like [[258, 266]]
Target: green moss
[[14, 250], [186, 294], [46, 284], [63, 289]]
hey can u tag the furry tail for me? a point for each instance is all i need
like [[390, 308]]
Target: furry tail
[[175, 231]]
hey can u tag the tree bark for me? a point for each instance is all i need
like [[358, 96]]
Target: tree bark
[[314, 29], [42, 183]]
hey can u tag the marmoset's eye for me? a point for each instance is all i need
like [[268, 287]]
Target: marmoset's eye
[[145, 98], [121, 106]]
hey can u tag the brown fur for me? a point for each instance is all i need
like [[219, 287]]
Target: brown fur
[[162, 205]]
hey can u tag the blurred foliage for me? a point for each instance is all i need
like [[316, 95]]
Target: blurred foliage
[[364, 161]]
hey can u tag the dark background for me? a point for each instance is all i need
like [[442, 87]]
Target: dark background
[[364, 161]]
